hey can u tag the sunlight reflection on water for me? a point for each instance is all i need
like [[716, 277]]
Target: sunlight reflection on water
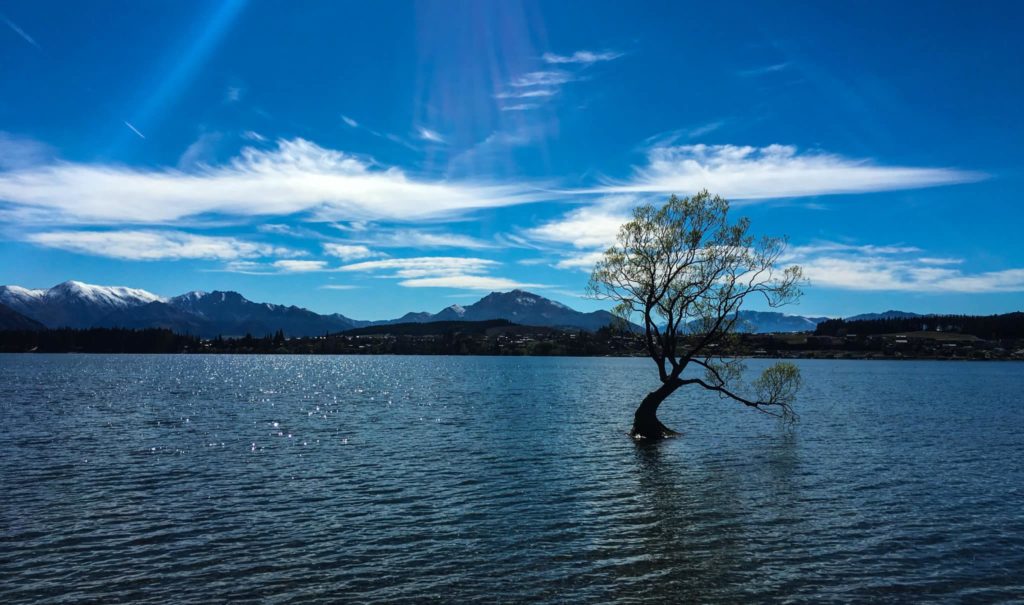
[[199, 479]]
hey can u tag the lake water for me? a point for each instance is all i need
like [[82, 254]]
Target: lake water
[[451, 479]]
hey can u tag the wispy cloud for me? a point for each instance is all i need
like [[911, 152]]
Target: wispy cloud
[[134, 129], [940, 261], [394, 138], [669, 138], [352, 226], [349, 252], [293, 177], [17, 152], [233, 94], [252, 135], [424, 134], [424, 266], [584, 261], [585, 57], [14, 27], [767, 69], [278, 267], [466, 273], [896, 268], [775, 171], [542, 85], [299, 266], [527, 94], [542, 78], [339, 287], [899, 275], [146, 245], [593, 226], [493, 152], [467, 282], [864, 249], [295, 231], [520, 107], [422, 238], [580, 236], [201, 151], [429, 135], [537, 87]]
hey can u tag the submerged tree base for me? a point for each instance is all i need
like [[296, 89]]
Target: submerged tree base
[[660, 431], [645, 421]]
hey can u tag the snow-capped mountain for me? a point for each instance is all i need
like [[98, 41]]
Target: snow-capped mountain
[[215, 313], [78, 305], [208, 314], [73, 304], [517, 306], [452, 313]]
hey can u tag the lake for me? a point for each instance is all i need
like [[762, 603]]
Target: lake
[[197, 479]]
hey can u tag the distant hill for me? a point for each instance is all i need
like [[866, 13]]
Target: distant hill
[[771, 322], [433, 328], [765, 322], [884, 315], [411, 317], [12, 320], [990, 327]]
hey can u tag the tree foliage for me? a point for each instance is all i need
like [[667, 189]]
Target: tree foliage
[[683, 270], [993, 327]]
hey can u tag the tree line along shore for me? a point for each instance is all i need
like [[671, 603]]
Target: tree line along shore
[[998, 337]]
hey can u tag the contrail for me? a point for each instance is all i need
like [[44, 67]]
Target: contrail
[[19, 31], [134, 129]]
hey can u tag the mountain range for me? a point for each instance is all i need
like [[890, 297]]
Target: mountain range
[[77, 305], [12, 320], [208, 314]]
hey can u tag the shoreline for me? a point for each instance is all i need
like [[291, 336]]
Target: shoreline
[[296, 354]]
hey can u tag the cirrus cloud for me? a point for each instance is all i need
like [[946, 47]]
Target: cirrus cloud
[[300, 266], [347, 252], [776, 171], [593, 226], [424, 266], [542, 78], [419, 238], [584, 57], [463, 273], [895, 268], [467, 282], [296, 176], [155, 245]]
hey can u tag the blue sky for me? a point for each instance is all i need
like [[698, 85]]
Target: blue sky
[[376, 158]]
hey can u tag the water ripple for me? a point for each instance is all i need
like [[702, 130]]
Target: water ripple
[[155, 479]]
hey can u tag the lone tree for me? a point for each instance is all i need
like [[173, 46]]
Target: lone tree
[[687, 270]]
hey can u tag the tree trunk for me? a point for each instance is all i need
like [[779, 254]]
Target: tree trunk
[[645, 421]]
